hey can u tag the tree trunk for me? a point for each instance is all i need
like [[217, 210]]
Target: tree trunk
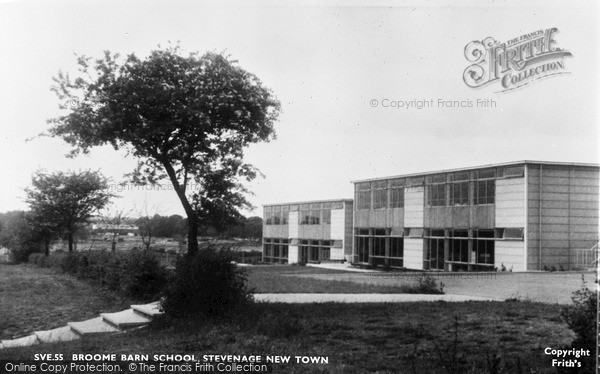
[[70, 237], [189, 210], [47, 247], [192, 234]]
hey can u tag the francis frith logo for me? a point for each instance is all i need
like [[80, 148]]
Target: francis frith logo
[[515, 63]]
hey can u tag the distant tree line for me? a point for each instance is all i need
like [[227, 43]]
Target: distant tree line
[[22, 234], [175, 226]]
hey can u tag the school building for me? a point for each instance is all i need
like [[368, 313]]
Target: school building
[[519, 216], [313, 231]]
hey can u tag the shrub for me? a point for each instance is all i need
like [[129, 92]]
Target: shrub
[[427, 284], [34, 258], [207, 283], [20, 253], [143, 277], [70, 263], [581, 317], [135, 274]]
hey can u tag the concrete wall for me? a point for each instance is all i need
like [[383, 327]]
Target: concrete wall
[[348, 231], [337, 224], [336, 254], [275, 231], [562, 214], [413, 253], [509, 253], [293, 225], [510, 202], [292, 254], [381, 218], [316, 232], [413, 208]]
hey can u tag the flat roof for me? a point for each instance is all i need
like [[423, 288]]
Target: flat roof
[[480, 167], [312, 202]]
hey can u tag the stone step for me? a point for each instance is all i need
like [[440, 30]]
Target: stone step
[[61, 334], [148, 310], [20, 342], [125, 319], [92, 326]]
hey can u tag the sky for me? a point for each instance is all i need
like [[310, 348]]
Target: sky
[[336, 67]]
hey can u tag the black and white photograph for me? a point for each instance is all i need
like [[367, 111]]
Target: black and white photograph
[[302, 186]]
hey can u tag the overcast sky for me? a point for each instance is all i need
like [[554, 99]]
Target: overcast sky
[[326, 64]]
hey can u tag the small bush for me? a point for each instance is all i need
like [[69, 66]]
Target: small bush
[[427, 284], [70, 263], [207, 283], [135, 274], [581, 317], [142, 275], [34, 258], [20, 253]]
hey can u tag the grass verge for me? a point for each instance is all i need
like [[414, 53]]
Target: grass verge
[[357, 338], [33, 299], [306, 279]]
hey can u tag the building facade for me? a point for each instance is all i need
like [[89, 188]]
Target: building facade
[[312, 231], [516, 217]]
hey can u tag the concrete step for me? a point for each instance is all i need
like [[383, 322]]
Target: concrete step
[[148, 310], [92, 326], [61, 334], [20, 342], [125, 319]]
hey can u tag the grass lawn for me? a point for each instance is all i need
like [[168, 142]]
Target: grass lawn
[[548, 287], [358, 338], [306, 279], [33, 299]]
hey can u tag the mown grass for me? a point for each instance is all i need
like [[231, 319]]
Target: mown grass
[[299, 279], [33, 299], [357, 338]]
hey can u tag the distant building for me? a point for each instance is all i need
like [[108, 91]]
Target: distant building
[[121, 229], [312, 231], [520, 216]]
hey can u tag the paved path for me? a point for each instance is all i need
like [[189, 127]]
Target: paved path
[[360, 298]]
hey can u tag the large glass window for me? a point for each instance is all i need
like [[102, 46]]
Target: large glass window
[[326, 216], [275, 250], [310, 214], [436, 194], [378, 240], [380, 198], [396, 247], [484, 251], [363, 195], [485, 192], [459, 193], [285, 214], [362, 245], [434, 254], [397, 197], [459, 250]]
